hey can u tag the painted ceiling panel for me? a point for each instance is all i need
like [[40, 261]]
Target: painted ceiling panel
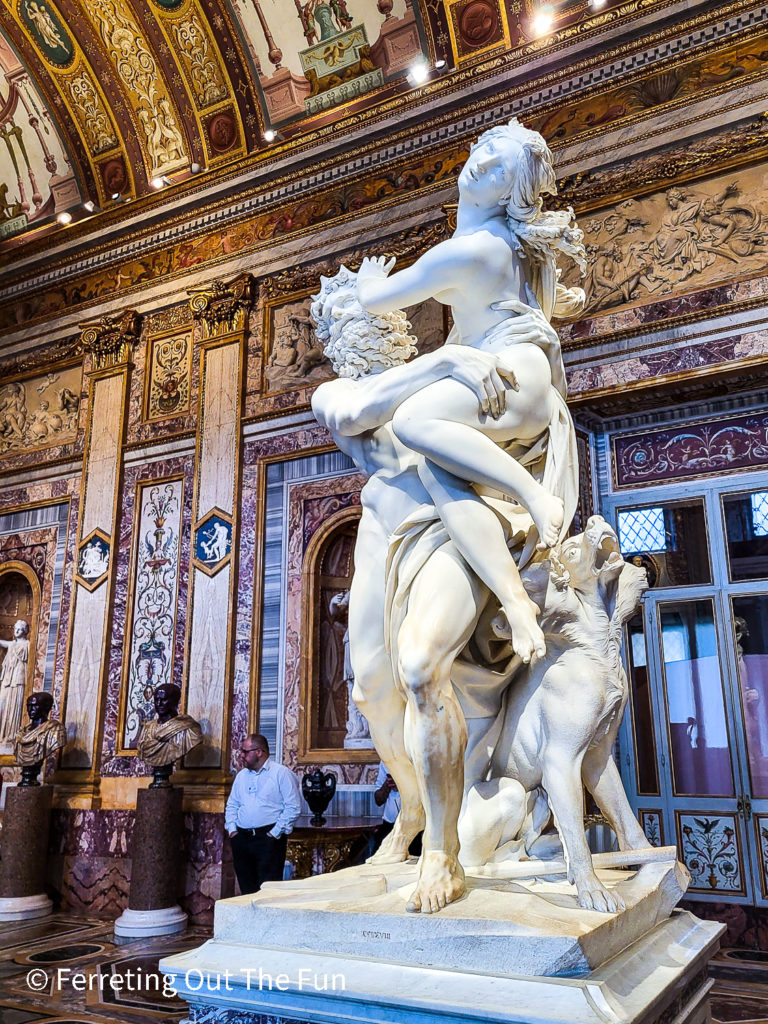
[[313, 55], [36, 176]]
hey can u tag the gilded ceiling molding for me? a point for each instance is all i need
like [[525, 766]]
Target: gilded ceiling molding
[[224, 307], [110, 339], [149, 94], [743, 144], [189, 36]]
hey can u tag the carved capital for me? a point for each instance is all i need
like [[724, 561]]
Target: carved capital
[[223, 307], [110, 339]]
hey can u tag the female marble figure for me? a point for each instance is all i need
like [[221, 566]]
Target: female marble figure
[[500, 263], [424, 529], [13, 680]]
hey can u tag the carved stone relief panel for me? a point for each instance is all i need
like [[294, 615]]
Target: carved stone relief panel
[[677, 240], [41, 411], [293, 355]]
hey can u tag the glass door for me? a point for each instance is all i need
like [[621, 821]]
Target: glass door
[[684, 742]]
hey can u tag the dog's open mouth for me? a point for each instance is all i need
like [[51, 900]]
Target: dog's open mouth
[[607, 554]]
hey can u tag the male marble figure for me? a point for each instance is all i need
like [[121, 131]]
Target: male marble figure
[[455, 448]]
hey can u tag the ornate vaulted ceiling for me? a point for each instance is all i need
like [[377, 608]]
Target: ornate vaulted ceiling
[[98, 98]]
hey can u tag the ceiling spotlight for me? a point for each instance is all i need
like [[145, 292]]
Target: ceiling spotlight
[[418, 73], [116, 197], [160, 182], [441, 65], [64, 218], [597, 4], [543, 21], [89, 205], [195, 168], [270, 135]]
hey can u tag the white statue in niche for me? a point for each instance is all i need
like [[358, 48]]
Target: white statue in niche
[[13, 681], [472, 476]]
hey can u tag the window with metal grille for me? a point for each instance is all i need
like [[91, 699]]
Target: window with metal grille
[[760, 513], [642, 529]]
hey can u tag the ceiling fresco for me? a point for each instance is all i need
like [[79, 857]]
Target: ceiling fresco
[[105, 100], [36, 178]]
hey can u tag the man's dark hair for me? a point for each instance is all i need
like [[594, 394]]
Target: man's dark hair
[[256, 737]]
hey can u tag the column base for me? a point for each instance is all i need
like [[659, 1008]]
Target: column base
[[21, 908], [137, 924]]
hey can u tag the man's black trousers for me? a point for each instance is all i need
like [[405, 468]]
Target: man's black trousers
[[257, 858]]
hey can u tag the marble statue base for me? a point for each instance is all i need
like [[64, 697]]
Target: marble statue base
[[341, 948], [530, 926], [661, 976], [23, 908], [138, 924]]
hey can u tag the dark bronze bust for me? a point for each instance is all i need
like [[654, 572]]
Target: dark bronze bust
[[168, 737], [38, 740]]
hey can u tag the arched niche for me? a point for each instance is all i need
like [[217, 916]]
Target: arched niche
[[324, 719], [20, 597]]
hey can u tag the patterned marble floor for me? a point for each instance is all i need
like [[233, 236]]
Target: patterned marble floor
[[61, 970], [68, 970]]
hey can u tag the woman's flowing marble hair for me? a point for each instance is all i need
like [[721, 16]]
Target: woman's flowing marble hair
[[540, 233], [356, 342]]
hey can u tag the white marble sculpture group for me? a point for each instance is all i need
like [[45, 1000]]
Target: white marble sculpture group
[[484, 644]]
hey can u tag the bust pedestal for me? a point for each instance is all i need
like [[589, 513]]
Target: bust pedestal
[[25, 848], [152, 907]]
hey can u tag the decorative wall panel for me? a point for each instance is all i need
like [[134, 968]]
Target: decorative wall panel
[[761, 831], [653, 826], [677, 240], [710, 848], [708, 448], [39, 412], [169, 366], [150, 660]]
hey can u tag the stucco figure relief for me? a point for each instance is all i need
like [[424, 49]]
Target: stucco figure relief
[[679, 239], [39, 412], [469, 596], [14, 672], [295, 355], [92, 115]]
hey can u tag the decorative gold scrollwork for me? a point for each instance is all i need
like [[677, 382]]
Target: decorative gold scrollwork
[[110, 339], [223, 307]]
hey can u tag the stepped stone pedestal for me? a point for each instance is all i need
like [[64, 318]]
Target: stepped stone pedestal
[[26, 824], [341, 948], [152, 907]]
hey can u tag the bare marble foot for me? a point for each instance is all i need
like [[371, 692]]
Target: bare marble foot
[[548, 514], [593, 895], [441, 881], [518, 623], [394, 847]]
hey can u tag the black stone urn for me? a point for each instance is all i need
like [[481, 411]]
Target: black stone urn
[[318, 788]]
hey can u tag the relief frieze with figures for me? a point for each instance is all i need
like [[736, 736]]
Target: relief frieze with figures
[[678, 240], [39, 412]]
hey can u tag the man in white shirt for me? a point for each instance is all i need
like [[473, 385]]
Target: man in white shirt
[[261, 809]]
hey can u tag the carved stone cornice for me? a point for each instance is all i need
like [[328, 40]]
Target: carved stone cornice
[[110, 339], [223, 307]]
